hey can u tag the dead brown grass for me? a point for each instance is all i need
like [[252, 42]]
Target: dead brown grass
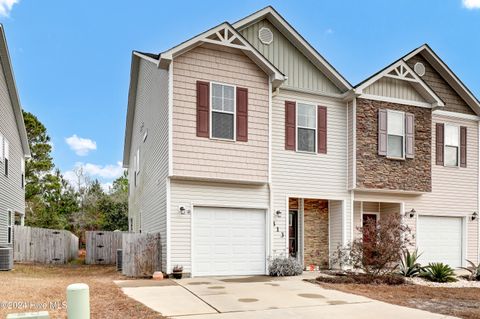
[[40, 284], [459, 302]]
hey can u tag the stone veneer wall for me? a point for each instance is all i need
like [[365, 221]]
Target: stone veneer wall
[[379, 172], [316, 248]]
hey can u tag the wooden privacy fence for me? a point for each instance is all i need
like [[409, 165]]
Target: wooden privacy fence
[[141, 255], [46, 246], [101, 247]]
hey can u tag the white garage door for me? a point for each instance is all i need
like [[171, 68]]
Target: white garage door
[[228, 241], [440, 240]]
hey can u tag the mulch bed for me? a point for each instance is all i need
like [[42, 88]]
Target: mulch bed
[[459, 302]]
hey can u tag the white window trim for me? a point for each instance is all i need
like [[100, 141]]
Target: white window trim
[[403, 136], [226, 112], [304, 127], [6, 155], [2, 148], [445, 144]]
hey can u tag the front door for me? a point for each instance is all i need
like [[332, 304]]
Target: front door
[[293, 233], [369, 247]]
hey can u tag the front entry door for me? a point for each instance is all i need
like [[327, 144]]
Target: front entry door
[[293, 233]]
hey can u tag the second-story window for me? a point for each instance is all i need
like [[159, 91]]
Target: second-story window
[[306, 127], [452, 145], [396, 134], [6, 151], [223, 111]]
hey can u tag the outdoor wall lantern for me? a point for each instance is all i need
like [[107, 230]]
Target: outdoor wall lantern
[[474, 216], [183, 210], [411, 213], [278, 213]]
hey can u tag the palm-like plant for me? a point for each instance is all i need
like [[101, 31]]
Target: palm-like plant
[[409, 266], [438, 272], [474, 270]]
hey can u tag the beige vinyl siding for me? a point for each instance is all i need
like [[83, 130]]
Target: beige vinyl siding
[[302, 74], [149, 197], [454, 190], [350, 152], [335, 211], [302, 175], [216, 159], [394, 88], [190, 193], [12, 196]]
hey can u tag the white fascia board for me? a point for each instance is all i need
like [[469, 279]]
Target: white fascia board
[[167, 56], [447, 74], [419, 84], [298, 41]]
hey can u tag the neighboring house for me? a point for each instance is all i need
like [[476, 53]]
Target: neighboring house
[[244, 143], [13, 150]]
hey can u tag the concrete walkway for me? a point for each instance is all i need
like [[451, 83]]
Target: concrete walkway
[[261, 297]]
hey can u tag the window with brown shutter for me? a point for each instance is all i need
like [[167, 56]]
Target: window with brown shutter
[[290, 125], [242, 114], [439, 143], [322, 129], [203, 109], [463, 146]]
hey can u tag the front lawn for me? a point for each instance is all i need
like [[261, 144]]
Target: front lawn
[[38, 286], [459, 302]]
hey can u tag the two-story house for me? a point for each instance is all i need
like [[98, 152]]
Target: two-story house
[[244, 143], [13, 150]]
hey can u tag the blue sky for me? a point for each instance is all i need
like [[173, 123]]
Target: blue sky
[[72, 58]]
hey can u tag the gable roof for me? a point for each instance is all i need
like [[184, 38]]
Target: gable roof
[[448, 75], [298, 41], [401, 71], [223, 34], [12, 90]]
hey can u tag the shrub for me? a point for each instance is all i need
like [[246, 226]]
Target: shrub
[[363, 279], [474, 271], [281, 266], [380, 254], [409, 267], [438, 272]]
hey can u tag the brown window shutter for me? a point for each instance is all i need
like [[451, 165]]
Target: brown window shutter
[[439, 143], [382, 132], [322, 129], [290, 125], [242, 114], [409, 135], [203, 109], [463, 146]]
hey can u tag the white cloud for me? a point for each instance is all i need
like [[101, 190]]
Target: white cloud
[[107, 171], [6, 7], [81, 146], [471, 4], [106, 174]]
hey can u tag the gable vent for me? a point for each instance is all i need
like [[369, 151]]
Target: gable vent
[[265, 35], [419, 68]]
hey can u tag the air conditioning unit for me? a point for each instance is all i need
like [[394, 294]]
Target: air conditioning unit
[[119, 260], [6, 258]]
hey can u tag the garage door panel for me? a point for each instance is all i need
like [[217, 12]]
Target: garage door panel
[[228, 241], [440, 239]]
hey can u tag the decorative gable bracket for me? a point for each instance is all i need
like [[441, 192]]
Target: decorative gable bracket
[[400, 71], [224, 35]]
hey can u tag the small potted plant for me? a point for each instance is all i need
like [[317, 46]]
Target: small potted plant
[[177, 272]]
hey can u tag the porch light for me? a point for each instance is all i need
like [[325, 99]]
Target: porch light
[[278, 213], [183, 210], [411, 213], [474, 216]]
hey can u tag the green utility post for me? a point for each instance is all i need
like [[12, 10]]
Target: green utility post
[[78, 301]]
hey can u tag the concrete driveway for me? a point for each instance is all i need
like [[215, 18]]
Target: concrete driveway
[[260, 297]]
